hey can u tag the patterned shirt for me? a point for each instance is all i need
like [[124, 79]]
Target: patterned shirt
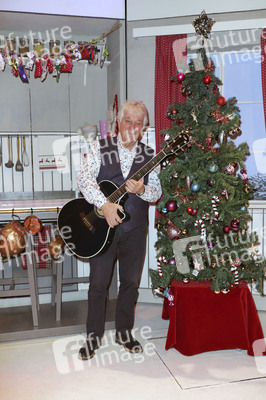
[[90, 169]]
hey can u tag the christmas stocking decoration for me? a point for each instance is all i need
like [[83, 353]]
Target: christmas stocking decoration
[[21, 71], [84, 52], [67, 65], [30, 62], [92, 52], [77, 54], [50, 65], [2, 63], [104, 54], [12, 62], [44, 70], [56, 73], [38, 68], [69, 49]]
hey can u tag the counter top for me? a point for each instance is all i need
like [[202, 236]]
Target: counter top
[[9, 205], [46, 209]]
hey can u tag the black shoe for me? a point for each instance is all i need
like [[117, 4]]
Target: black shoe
[[130, 344], [88, 350]]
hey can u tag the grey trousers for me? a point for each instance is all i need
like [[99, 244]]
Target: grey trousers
[[129, 249]]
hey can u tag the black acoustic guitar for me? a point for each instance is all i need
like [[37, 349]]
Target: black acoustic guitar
[[83, 226]]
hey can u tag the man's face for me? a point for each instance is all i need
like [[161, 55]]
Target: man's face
[[131, 127]]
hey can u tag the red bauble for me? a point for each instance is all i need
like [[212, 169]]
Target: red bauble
[[189, 210], [194, 211], [180, 77], [221, 101], [235, 225], [173, 111], [226, 229], [171, 205], [207, 79]]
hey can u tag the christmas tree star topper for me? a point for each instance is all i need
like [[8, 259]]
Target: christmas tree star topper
[[203, 25]]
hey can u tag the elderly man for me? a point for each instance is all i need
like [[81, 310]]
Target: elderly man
[[117, 159]]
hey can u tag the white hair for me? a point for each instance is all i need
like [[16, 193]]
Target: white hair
[[137, 106]]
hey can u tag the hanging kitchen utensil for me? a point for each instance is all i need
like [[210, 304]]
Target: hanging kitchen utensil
[[18, 166], [33, 224], [10, 163], [13, 238], [25, 157], [0, 155]]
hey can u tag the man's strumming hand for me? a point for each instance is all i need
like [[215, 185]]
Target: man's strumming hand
[[110, 213]]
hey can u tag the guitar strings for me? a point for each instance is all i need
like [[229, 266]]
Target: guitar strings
[[114, 197]]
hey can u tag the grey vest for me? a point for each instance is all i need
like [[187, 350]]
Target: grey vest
[[110, 170]]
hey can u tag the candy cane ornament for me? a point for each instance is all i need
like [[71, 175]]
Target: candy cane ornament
[[160, 260], [200, 223], [158, 290], [215, 200], [235, 272]]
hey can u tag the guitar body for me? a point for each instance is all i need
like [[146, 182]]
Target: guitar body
[[83, 227]]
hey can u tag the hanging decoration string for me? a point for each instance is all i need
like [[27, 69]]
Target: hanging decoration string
[[62, 63]]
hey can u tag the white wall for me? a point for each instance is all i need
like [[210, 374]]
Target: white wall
[[150, 9], [88, 8]]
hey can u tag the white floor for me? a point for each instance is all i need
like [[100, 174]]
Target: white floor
[[49, 369]]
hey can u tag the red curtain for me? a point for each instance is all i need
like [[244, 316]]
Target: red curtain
[[170, 50], [263, 68]]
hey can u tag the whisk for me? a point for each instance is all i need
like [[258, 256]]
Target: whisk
[[25, 157]]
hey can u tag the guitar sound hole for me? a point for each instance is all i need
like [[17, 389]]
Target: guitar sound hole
[[99, 212]]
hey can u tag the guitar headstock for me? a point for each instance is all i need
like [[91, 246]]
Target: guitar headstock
[[182, 140]]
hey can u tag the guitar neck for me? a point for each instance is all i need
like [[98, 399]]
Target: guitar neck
[[118, 193]]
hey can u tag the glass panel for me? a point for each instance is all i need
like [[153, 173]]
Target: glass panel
[[215, 58], [242, 76], [253, 132]]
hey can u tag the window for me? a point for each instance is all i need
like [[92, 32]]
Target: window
[[240, 72]]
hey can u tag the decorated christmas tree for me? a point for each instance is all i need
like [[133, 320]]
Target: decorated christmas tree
[[203, 223]]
